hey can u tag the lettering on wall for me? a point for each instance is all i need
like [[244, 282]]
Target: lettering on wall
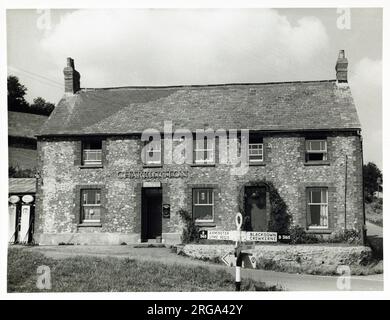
[[139, 174]]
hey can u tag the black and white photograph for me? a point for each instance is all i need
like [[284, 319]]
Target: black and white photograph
[[181, 149]]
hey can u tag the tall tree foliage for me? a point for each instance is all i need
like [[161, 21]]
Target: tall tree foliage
[[41, 105], [16, 93], [17, 102], [372, 176]]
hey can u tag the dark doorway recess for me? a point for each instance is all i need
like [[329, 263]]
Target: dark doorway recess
[[151, 221], [255, 217]]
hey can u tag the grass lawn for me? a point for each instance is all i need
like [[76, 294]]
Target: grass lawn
[[93, 274]]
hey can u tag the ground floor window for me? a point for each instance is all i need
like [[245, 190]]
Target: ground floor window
[[317, 208], [203, 205], [91, 205]]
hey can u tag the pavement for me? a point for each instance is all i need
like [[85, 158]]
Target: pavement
[[287, 281], [374, 230]]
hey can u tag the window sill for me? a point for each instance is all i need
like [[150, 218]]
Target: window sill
[[317, 163], [202, 165], [318, 231], [152, 165], [91, 166], [205, 224], [89, 224], [259, 164]]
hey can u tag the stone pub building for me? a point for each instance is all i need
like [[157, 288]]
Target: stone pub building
[[95, 187]]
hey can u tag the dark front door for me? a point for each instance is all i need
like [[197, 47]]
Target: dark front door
[[255, 218], [151, 213]]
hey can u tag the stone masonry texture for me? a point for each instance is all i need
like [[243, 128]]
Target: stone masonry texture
[[298, 258], [62, 177]]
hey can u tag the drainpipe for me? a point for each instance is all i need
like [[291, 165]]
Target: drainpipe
[[345, 192], [364, 228]]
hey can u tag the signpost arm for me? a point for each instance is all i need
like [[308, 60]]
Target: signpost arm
[[240, 236]]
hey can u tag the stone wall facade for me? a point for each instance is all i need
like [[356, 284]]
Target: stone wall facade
[[297, 259], [62, 177]]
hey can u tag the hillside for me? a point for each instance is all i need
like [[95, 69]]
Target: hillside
[[22, 128]]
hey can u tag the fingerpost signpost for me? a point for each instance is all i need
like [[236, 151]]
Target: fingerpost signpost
[[239, 237]]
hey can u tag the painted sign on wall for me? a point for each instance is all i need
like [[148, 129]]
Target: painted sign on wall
[[140, 174]]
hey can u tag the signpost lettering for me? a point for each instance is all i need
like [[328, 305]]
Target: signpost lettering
[[222, 235], [240, 258], [261, 236]]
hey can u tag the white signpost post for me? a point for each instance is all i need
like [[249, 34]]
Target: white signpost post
[[239, 236]]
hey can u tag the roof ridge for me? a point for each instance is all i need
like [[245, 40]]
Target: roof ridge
[[207, 85]]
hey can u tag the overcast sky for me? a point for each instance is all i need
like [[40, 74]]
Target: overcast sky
[[200, 46]]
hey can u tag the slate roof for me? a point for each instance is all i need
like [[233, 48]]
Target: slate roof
[[312, 105], [21, 185], [25, 125]]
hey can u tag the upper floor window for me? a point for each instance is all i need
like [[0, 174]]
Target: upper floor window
[[92, 152], [317, 208], [203, 205], [316, 150], [152, 151], [256, 150], [91, 205], [204, 151]]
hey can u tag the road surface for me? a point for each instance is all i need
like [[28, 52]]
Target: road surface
[[374, 230]]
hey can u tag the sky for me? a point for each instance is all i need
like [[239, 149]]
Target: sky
[[130, 47]]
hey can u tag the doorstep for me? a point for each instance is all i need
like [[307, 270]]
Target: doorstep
[[150, 243]]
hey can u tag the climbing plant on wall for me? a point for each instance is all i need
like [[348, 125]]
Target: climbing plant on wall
[[191, 230], [279, 218]]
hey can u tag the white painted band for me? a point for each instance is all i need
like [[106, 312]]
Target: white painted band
[[238, 274]]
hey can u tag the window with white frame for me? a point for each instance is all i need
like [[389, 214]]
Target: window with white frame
[[153, 152], [316, 150], [92, 152], [317, 208], [91, 205], [256, 153], [203, 205], [204, 150]]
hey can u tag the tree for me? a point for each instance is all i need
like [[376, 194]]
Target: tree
[[16, 93], [17, 102], [41, 106], [372, 177]]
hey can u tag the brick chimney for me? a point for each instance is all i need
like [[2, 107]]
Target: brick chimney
[[342, 68], [72, 77]]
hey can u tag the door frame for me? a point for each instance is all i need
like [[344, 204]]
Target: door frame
[[145, 218], [242, 198]]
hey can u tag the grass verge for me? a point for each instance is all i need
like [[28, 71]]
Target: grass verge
[[93, 274]]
